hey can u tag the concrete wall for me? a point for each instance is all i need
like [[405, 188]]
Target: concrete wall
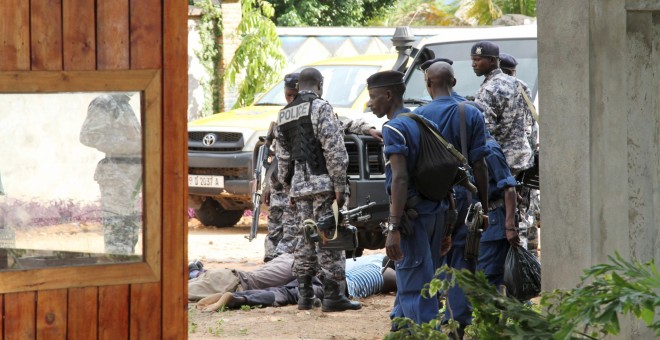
[[598, 68]]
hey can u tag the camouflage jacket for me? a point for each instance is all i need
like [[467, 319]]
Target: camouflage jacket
[[328, 130], [507, 118]]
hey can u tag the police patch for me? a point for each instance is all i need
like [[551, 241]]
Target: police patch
[[293, 113]]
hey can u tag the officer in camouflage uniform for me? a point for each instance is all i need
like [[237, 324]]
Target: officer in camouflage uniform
[[282, 229], [530, 199], [312, 158], [112, 127], [507, 116]]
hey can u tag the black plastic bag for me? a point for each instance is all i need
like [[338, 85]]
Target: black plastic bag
[[522, 274]]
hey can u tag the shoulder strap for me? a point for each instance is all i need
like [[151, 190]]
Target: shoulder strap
[[424, 125], [463, 128], [529, 102], [461, 119]]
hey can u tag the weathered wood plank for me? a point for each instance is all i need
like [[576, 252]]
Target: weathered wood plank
[[83, 313], [52, 314], [19, 316], [46, 34], [2, 307], [145, 311], [175, 101], [15, 33], [79, 34], [112, 33], [44, 81], [113, 312], [146, 34]]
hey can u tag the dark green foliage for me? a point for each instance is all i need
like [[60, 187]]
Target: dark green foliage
[[326, 12], [210, 31], [590, 311], [259, 58], [524, 7]]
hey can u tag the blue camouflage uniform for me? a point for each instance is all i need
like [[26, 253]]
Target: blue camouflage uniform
[[507, 117], [314, 194], [444, 112], [421, 251], [494, 245]]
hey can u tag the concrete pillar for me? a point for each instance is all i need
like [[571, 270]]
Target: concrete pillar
[[600, 127]]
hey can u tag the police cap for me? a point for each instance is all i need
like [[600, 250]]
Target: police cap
[[428, 63], [508, 61], [385, 78], [485, 49], [291, 80]]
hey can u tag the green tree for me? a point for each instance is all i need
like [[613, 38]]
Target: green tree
[[258, 61], [326, 12], [484, 12], [210, 31], [418, 13]]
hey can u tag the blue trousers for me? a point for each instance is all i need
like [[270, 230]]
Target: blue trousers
[[421, 257], [458, 306]]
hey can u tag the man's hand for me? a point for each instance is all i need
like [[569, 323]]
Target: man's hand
[[512, 235], [446, 245], [341, 199], [376, 134], [393, 246], [265, 196]]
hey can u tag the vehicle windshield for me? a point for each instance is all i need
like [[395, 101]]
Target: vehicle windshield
[[467, 83], [342, 84]]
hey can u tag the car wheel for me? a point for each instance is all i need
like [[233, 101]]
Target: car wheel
[[211, 213]]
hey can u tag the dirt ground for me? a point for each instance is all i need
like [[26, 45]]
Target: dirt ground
[[229, 248]]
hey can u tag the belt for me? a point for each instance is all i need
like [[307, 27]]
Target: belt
[[492, 205]]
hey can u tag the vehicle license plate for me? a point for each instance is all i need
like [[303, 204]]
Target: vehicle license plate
[[202, 181]]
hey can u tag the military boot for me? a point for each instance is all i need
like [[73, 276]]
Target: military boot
[[305, 292], [334, 299]]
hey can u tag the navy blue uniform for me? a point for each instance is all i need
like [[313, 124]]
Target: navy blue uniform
[[444, 112], [421, 250], [494, 245]]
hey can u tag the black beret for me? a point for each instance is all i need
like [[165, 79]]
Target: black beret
[[385, 78], [508, 61], [428, 63], [291, 80], [485, 49]]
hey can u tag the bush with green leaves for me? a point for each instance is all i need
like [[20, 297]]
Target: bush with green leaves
[[592, 310], [259, 59]]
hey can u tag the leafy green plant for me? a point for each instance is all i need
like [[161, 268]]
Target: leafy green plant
[[210, 54], [592, 310], [259, 58]]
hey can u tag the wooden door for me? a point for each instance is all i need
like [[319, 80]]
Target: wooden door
[[53, 39]]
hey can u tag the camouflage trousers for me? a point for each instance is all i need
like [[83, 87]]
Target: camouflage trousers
[[529, 219], [121, 216], [282, 232], [309, 259]]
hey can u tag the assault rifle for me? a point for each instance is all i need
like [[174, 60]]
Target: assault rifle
[[345, 235], [260, 163]]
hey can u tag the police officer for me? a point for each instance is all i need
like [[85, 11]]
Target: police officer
[[444, 111], [502, 232], [529, 203], [416, 254], [507, 115], [112, 127], [282, 229], [312, 158]]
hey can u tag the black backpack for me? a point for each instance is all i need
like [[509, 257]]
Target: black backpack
[[439, 165]]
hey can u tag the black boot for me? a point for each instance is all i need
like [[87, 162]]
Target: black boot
[[305, 292], [334, 299]]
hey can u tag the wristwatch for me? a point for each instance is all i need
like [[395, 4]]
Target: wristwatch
[[392, 226]]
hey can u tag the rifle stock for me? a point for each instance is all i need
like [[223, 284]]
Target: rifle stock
[[260, 163]]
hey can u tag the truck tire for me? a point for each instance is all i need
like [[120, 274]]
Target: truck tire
[[211, 213]]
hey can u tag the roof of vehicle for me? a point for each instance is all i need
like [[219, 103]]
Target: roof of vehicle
[[483, 33], [385, 60]]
